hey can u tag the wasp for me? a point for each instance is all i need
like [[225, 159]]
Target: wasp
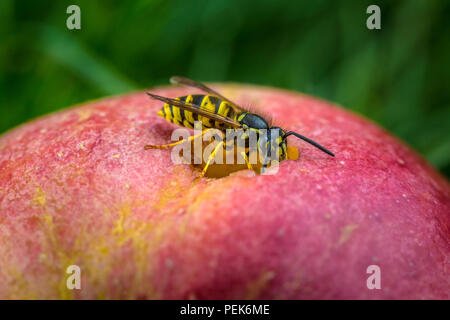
[[216, 111]]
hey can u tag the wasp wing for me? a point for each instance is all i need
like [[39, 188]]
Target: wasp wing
[[197, 109], [201, 86]]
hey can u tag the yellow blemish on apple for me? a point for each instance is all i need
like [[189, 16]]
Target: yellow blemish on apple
[[293, 283], [39, 197], [144, 237], [123, 213], [173, 192], [59, 260], [346, 233], [22, 290], [103, 249], [83, 114], [255, 287], [81, 146]]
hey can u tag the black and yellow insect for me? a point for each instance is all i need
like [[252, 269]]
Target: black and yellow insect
[[216, 111]]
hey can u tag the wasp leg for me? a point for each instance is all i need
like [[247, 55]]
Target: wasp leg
[[249, 166], [150, 146], [213, 154]]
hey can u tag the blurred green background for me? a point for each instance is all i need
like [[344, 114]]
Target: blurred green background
[[397, 76]]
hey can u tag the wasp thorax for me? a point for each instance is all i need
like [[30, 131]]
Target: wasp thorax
[[252, 120]]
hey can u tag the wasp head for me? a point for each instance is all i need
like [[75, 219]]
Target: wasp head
[[273, 146]]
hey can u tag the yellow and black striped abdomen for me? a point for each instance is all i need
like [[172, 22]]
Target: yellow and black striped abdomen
[[186, 118]]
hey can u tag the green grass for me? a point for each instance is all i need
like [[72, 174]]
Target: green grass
[[396, 76]]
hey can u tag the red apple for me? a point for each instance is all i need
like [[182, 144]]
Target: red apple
[[78, 188]]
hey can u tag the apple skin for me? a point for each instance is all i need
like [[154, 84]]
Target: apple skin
[[77, 187]]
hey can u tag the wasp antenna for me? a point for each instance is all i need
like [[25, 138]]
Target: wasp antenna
[[315, 144]]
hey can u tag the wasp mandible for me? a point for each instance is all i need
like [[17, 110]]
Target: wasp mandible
[[216, 111]]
